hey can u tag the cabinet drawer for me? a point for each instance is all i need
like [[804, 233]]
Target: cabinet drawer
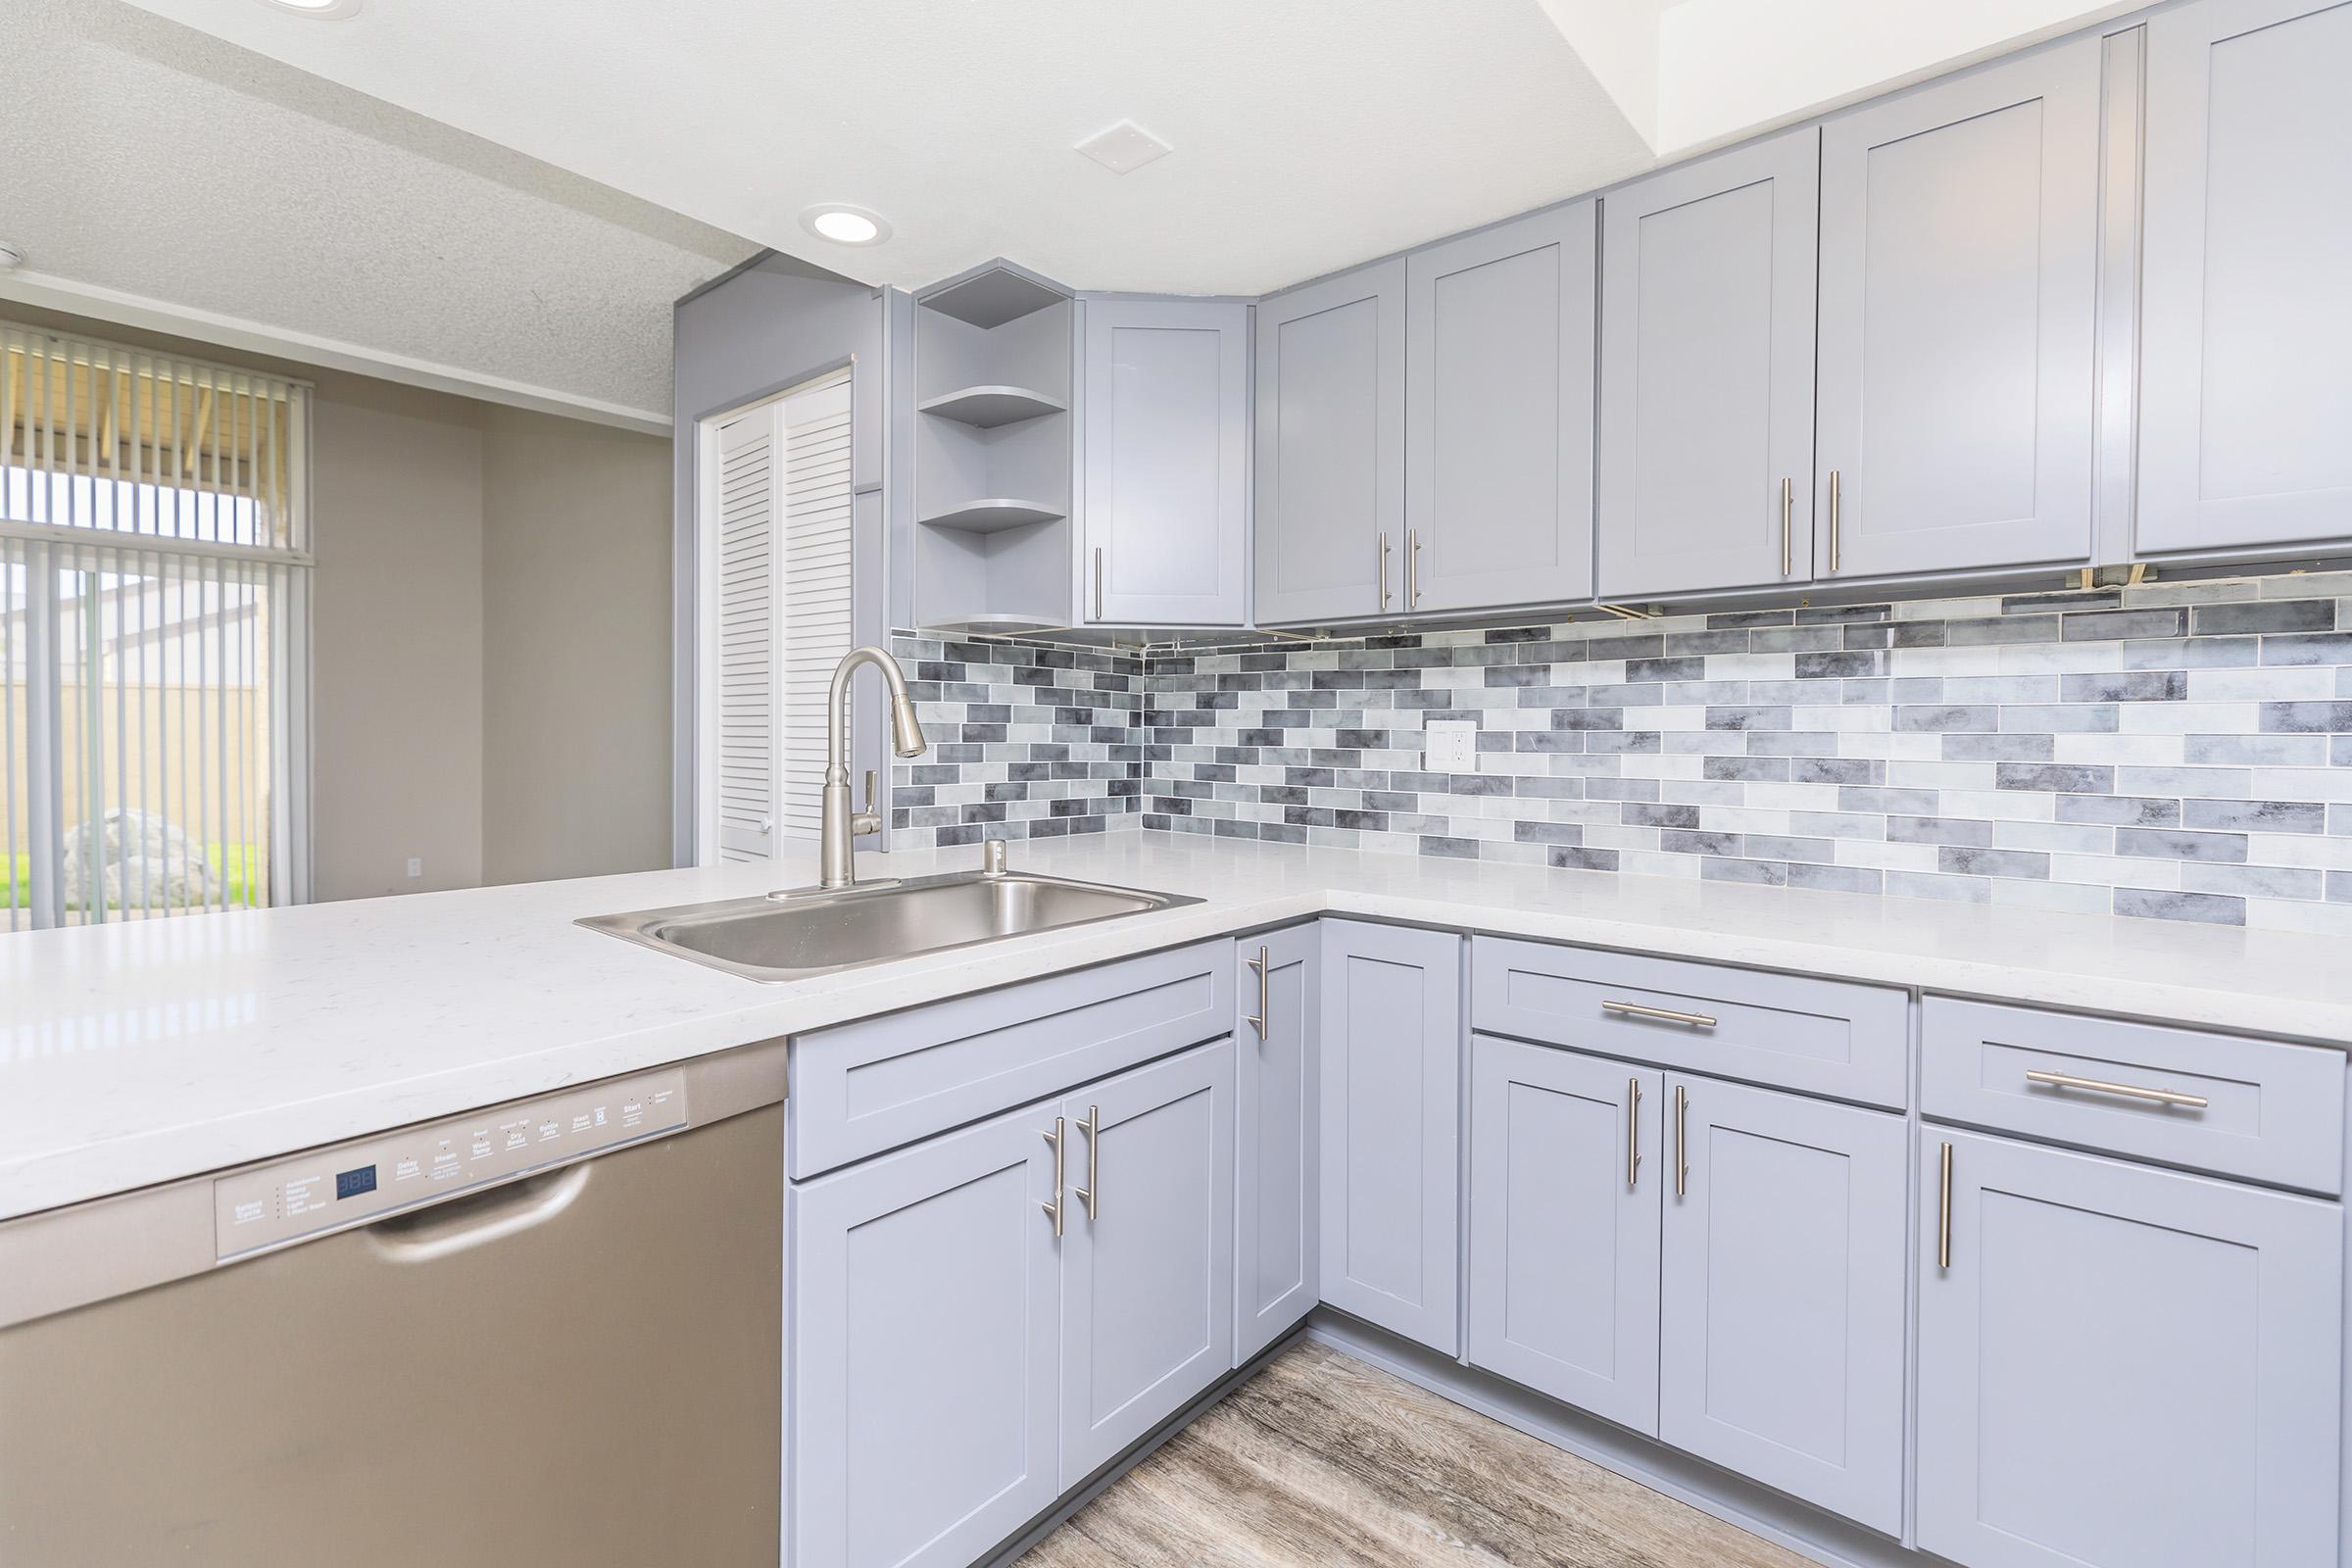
[[1823, 1036], [881, 1082], [2271, 1112]]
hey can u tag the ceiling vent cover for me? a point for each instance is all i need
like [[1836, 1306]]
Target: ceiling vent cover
[[1124, 147]]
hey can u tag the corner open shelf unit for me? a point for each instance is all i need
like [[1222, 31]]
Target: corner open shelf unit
[[993, 367]]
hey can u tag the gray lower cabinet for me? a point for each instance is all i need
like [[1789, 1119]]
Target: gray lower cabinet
[[1330, 450], [1566, 1173], [1498, 415], [1164, 413], [1146, 1263], [1782, 1288], [1277, 1113], [1392, 1097], [1706, 476], [2124, 1367], [923, 1423], [2245, 322], [1959, 272]]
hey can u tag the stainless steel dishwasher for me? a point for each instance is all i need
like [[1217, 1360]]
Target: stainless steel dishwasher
[[545, 1333]]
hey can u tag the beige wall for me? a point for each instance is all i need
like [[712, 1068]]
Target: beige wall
[[575, 592], [395, 637], [490, 636]]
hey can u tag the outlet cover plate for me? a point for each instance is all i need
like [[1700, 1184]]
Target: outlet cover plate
[[1452, 748]]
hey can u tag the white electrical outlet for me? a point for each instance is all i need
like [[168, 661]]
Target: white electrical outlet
[[1452, 748], [415, 866]]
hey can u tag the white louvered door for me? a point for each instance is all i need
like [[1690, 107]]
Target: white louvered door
[[817, 627], [784, 610], [747, 614]]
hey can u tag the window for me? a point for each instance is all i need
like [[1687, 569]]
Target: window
[[154, 644]]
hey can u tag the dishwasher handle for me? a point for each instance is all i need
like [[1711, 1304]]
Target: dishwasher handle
[[478, 1218]]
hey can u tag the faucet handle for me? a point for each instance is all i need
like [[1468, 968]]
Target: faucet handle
[[870, 778]]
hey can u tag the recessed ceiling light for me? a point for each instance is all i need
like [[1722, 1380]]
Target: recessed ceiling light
[[318, 9], [10, 258], [843, 224]]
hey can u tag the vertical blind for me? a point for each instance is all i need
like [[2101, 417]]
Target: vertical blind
[[783, 604], [154, 652]]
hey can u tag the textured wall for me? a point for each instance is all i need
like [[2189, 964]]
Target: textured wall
[[2178, 751]]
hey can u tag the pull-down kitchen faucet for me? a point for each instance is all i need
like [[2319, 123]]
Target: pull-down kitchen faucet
[[841, 824]]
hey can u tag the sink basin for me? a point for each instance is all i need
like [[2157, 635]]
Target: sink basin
[[790, 936]]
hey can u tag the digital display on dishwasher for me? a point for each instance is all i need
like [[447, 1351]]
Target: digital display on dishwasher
[[352, 1183]]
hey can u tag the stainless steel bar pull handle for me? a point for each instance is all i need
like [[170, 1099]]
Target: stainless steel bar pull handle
[[1633, 1131], [1383, 572], [1092, 1128], [2099, 1086], [1787, 532], [1097, 582], [1413, 567], [1056, 1139], [1836, 549], [1257, 1020], [1943, 1209], [1682, 1141], [1636, 1010]]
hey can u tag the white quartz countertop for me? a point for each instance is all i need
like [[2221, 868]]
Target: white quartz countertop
[[143, 1052]]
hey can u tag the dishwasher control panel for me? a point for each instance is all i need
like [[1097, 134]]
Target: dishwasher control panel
[[370, 1178]]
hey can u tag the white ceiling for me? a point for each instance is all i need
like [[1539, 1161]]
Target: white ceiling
[[1307, 136], [144, 164], [513, 192]]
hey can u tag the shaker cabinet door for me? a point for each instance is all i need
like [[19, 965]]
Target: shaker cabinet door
[[1498, 415], [2124, 1367], [1330, 452], [2246, 322], [924, 1330], [1959, 256], [1165, 412], [1706, 373], [1392, 1093], [1146, 1271], [1565, 1173], [1783, 1320], [1277, 1071]]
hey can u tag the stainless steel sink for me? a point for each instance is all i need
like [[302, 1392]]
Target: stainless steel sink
[[789, 936]]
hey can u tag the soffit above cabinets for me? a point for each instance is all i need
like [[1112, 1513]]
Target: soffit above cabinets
[[1307, 137]]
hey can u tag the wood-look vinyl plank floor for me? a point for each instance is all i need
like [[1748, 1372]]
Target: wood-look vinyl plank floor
[[1321, 1460]]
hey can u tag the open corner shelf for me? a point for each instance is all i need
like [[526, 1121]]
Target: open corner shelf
[[988, 407], [993, 513]]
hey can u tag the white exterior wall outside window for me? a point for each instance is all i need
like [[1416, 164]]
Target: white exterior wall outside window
[[778, 601], [155, 572]]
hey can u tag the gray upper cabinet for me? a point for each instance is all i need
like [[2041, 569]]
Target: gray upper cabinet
[[1277, 1101], [1498, 415], [1782, 1334], [1146, 1270], [1330, 466], [2124, 1367], [1164, 413], [1392, 1095], [1565, 1177], [2246, 322], [1959, 256], [1706, 373], [925, 1329]]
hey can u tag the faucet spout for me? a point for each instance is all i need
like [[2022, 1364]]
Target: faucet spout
[[840, 825]]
